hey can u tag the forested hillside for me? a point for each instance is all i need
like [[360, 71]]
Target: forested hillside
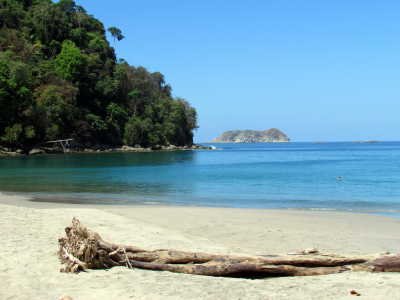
[[59, 78]]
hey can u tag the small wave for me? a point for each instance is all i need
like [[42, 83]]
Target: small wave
[[13, 197]]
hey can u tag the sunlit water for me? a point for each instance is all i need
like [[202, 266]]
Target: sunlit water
[[290, 175]]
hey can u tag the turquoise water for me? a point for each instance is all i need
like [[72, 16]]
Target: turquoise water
[[290, 175]]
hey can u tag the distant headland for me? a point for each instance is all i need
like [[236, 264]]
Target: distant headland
[[272, 135]]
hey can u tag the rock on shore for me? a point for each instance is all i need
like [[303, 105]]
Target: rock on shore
[[99, 148]]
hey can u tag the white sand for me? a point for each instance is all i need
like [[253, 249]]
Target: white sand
[[29, 268]]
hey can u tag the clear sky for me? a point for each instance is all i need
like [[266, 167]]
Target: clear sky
[[318, 70]]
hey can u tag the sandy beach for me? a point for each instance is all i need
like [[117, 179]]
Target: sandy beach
[[29, 266]]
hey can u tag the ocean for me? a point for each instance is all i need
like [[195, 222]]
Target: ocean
[[359, 177]]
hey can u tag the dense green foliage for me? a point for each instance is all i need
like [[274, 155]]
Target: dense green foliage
[[59, 78]]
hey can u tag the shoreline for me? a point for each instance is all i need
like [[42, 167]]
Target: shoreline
[[27, 200], [6, 152], [30, 231], [185, 215]]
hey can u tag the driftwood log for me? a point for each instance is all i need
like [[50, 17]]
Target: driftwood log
[[84, 249]]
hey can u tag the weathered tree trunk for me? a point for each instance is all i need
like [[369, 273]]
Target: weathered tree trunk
[[83, 249]]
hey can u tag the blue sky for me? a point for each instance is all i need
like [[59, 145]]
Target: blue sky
[[318, 70]]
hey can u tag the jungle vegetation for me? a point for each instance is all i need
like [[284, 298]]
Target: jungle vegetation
[[60, 78]]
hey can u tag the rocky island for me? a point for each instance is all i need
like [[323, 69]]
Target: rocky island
[[272, 135]]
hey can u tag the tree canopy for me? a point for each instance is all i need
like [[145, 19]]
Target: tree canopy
[[116, 33], [60, 78]]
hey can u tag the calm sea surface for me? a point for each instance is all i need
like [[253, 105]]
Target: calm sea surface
[[291, 175]]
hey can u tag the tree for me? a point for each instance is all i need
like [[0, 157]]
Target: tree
[[116, 33], [70, 62], [12, 134], [11, 13], [55, 109], [136, 131], [15, 89]]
